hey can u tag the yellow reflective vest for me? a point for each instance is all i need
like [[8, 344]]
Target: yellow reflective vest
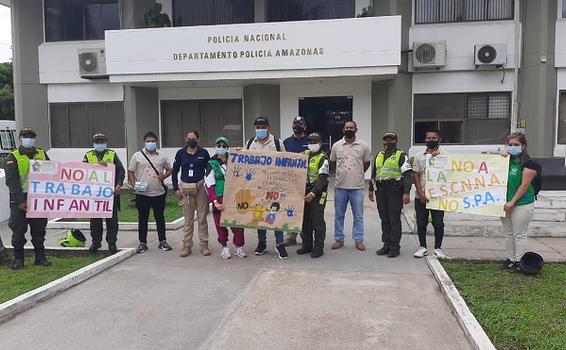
[[108, 157], [23, 165], [388, 169]]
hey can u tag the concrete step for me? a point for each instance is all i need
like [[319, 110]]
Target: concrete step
[[554, 215], [495, 229]]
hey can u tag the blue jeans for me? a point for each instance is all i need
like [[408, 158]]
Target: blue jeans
[[356, 199], [262, 236]]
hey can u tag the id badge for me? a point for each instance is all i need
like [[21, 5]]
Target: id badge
[[191, 173], [140, 186]]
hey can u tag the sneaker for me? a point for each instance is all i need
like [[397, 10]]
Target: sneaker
[[142, 247], [225, 254], [439, 254], [240, 253], [282, 252], [163, 245], [260, 248], [421, 252]]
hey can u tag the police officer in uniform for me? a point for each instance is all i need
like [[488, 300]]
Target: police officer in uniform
[[315, 199], [391, 181], [101, 154], [17, 170]]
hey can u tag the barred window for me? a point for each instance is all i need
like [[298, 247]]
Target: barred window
[[474, 118], [446, 11], [562, 118]]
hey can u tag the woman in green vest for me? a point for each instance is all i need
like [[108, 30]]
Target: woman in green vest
[[520, 199], [214, 181]]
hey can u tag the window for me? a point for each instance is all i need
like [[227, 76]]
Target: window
[[7, 141], [210, 12], [563, 8], [73, 124], [444, 11], [562, 118], [475, 118], [67, 20], [302, 10], [211, 118]]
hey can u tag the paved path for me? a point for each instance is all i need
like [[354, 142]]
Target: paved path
[[344, 300]]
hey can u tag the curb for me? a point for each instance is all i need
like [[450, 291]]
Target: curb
[[471, 327], [25, 301], [124, 226]]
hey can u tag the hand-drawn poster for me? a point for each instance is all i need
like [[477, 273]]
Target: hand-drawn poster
[[467, 183], [265, 189], [70, 190]]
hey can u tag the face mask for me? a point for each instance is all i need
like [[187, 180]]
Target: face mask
[[221, 151], [261, 133], [28, 143], [151, 146], [314, 147], [390, 145], [192, 143], [298, 129], [514, 150], [100, 147], [350, 134], [432, 144]]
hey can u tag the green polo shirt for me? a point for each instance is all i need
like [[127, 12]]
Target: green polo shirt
[[516, 177]]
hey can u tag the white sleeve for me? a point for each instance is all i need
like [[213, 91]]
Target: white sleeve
[[324, 169], [210, 179], [406, 166]]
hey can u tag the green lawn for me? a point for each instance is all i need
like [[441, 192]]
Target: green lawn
[[515, 310], [15, 283]]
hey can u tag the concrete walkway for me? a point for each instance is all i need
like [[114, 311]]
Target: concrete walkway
[[344, 300]]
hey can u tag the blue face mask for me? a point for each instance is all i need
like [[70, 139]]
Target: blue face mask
[[514, 150], [28, 142], [151, 146], [99, 147], [192, 143], [261, 133], [221, 151]]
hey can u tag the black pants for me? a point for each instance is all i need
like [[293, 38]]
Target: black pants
[[111, 226], [313, 221], [422, 223], [144, 204], [19, 225], [389, 205]]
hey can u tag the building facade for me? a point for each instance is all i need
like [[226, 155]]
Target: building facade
[[475, 69]]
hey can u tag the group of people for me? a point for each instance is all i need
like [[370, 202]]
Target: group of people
[[199, 181]]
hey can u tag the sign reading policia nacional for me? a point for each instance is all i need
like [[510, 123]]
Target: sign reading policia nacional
[[472, 184], [265, 190], [338, 43], [70, 190]]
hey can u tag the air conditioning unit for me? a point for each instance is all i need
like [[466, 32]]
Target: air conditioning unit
[[92, 63], [490, 55], [429, 55]]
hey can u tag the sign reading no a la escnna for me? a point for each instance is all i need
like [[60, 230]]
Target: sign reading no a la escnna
[[465, 183], [70, 190], [265, 190]]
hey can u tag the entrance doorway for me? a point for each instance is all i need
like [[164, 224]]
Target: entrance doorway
[[327, 116]]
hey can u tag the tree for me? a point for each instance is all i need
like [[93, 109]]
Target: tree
[[6, 91]]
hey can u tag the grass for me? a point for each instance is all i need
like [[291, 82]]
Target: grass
[[516, 311], [129, 213], [15, 283]]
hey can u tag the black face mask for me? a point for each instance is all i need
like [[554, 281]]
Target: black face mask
[[350, 134], [390, 145], [192, 143], [432, 144], [298, 129]]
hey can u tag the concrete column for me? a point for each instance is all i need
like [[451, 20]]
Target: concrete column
[[259, 10], [261, 100], [537, 76], [141, 109], [31, 106]]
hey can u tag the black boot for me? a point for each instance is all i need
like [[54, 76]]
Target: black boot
[[18, 264], [317, 253], [304, 250], [40, 259], [112, 248], [393, 253], [94, 247], [384, 250]]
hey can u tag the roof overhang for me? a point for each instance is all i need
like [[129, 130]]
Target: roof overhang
[[6, 3]]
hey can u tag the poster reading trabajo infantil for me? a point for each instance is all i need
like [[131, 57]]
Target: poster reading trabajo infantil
[[265, 189]]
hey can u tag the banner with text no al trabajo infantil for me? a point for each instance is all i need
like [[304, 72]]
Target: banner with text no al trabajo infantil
[[467, 183], [265, 190]]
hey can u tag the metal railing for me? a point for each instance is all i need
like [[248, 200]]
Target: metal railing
[[449, 11]]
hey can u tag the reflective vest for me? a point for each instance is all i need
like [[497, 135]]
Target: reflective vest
[[314, 166], [387, 169], [23, 165], [108, 157], [218, 177]]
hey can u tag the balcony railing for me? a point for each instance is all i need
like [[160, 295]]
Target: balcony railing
[[448, 11]]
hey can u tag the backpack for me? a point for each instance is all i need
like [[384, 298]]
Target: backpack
[[537, 181], [277, 143]]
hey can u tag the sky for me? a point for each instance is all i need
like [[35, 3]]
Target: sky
[[5, 34]]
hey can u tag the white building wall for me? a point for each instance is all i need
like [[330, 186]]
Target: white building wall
[[59, 61]]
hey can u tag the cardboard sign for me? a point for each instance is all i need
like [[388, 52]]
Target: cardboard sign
[[265, 189], [465, 183], [70, 190]]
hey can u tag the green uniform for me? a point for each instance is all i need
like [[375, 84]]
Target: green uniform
[[17, 170], [514, 180]]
